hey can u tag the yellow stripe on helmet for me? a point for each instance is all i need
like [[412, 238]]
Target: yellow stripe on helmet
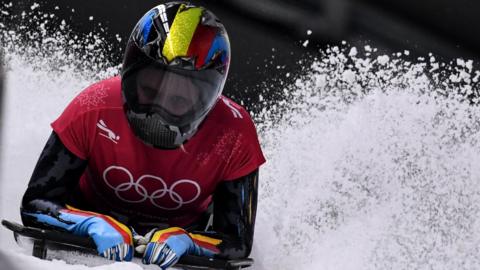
[[181, 32]]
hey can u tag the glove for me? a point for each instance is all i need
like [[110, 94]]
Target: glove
[[112, 238], [166, 247]]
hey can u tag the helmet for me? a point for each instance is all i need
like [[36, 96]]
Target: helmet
[[174, 69]]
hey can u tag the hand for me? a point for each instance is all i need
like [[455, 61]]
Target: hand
[[113, 239], [166, 247]]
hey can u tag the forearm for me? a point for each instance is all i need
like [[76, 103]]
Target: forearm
[[31, 210], [50, 215], [54, 178], [235, 204]]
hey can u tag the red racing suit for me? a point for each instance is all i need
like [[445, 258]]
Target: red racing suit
[[139, 185]]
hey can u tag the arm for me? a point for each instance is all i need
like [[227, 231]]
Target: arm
[[234, 211], [235, 205], [44, 203], [55, 176]]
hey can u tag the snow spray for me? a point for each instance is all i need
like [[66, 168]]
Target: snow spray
[[373, 164]]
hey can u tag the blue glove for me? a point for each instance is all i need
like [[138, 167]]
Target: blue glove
[[113, 239], [166, 247]]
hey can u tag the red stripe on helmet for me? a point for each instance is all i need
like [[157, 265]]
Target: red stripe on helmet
[[201, 43]]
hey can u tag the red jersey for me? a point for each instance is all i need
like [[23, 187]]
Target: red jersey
[[127, 177]]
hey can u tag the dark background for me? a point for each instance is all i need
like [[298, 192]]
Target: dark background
[[267, 35]]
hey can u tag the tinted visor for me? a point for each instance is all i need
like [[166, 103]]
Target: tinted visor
[[179, 97]]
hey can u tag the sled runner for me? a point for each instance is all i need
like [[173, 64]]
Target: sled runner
[[44, 240]]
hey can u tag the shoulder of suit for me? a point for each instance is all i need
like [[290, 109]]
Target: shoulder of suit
[[230, 109], [101, 95]]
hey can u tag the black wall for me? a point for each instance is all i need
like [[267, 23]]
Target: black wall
[[457, 21], [267, 35]]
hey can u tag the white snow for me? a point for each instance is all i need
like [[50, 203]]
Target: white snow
[[370, 173], [22, 261], [34, 6], [353, 52], [348, 76], [383, 59]]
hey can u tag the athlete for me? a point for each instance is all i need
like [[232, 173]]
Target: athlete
[[156, 161]]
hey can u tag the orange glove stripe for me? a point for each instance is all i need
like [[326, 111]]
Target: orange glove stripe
[[206, 239], [124, 230], [161, 236], [121, 228], [206, 242], [206, 245]]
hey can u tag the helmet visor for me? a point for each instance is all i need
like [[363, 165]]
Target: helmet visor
[[179, 97]]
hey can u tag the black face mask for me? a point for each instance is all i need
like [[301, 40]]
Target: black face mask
[[165, 106], [152, 130]]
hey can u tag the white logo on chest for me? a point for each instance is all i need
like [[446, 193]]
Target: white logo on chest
[[132, 191], [106, 132]]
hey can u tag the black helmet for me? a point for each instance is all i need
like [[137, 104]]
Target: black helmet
[[174, 69]]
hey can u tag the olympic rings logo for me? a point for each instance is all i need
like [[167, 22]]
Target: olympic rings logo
[[143, 194]]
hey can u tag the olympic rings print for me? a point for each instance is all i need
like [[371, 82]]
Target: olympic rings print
[[144, 194]]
